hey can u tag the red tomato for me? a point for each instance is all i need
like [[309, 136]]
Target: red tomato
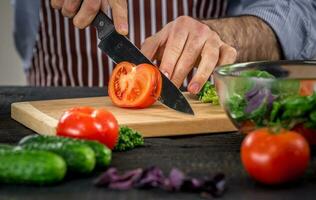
[[274, 158], [307, 87], [134, 86], [90, 124], [309, 134]]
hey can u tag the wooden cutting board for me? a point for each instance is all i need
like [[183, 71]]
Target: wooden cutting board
[[157, 120]]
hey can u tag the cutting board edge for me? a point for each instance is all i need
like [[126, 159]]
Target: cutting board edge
[[42, 123], [200, 127]]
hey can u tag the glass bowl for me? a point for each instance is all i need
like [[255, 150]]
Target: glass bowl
[[259, 94]]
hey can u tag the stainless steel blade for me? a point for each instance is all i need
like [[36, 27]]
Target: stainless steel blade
[[120, 49]]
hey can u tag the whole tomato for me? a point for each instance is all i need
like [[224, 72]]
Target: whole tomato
[[274, 158], [90, 124]]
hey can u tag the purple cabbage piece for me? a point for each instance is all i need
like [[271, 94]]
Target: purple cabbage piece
[[192, 185], [174, 181], [256, 97], [107, 177], [215, 186], [153, 177], [113, 180], [251, 93]]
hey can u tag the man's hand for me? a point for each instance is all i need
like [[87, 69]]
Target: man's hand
[[84, 11], [186, 43]]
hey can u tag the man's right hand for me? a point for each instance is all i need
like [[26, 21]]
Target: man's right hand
[[84, 11]]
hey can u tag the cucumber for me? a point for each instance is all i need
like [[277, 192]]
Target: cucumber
[[31, 167], [103, 154], [79, 158]]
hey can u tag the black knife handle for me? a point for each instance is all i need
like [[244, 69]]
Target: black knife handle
[[103, 24]]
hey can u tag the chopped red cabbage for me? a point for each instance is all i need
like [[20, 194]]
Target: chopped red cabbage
[[153, 177], [256, 97]]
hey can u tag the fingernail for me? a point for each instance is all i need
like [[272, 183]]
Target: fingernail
[[166, 74], [123, 29], [194, 88]]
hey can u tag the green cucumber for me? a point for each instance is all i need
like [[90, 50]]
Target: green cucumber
[[31, 167], [79, 158], [103, 154]]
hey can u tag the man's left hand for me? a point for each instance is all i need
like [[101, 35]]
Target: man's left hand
[[184, 44]]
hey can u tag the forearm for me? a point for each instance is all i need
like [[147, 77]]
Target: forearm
[[250, 36]]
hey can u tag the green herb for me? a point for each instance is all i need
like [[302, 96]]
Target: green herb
[[236, 105], [128, 139], [276, 106], [285, 88], [208, 94], [286, 109], [294, 110], [243, 83]]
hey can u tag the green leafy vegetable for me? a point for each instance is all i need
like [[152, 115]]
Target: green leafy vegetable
[[208, 94], [282, 105], [285, 88], [243, 83], [276, 106], [128, 139], [236, 105]]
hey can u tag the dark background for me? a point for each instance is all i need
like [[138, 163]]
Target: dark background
[[197, 155]]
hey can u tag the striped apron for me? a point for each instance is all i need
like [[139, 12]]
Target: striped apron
[[66, 56]]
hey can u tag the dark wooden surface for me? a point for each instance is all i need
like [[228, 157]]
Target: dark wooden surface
[[198, 155]]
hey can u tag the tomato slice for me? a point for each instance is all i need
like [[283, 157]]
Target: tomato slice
[[133, 86]]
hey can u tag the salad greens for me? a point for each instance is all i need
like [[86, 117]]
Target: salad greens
[[208, 94], [281, 104], [128, 139]]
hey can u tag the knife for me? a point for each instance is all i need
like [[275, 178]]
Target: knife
[[119, 48]]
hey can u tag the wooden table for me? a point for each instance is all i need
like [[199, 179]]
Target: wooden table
[[198, 155]]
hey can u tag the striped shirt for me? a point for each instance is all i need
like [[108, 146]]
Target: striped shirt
[[56, 53], [66, 56]]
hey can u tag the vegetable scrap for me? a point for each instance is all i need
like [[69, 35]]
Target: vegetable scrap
[[208, 94], [128, 139], [153, 177]]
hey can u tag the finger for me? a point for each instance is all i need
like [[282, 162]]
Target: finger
[[70, 7], [150, 47], [174, 47], [105, 6], [190, 54], [152, 44], [57, 4], [88, 10], [209, 58], [228, 55], [119, 14]]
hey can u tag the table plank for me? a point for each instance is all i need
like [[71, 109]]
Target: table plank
[[197, 155]]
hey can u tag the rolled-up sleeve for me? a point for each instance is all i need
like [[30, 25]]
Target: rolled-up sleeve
[[293, 21]]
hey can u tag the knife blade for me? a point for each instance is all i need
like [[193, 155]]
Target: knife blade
[[119, 48]]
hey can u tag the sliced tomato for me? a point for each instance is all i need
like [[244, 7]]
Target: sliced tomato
[[307, 87], [133, 86]]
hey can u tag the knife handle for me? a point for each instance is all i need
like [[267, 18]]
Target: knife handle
[[103, 24]]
